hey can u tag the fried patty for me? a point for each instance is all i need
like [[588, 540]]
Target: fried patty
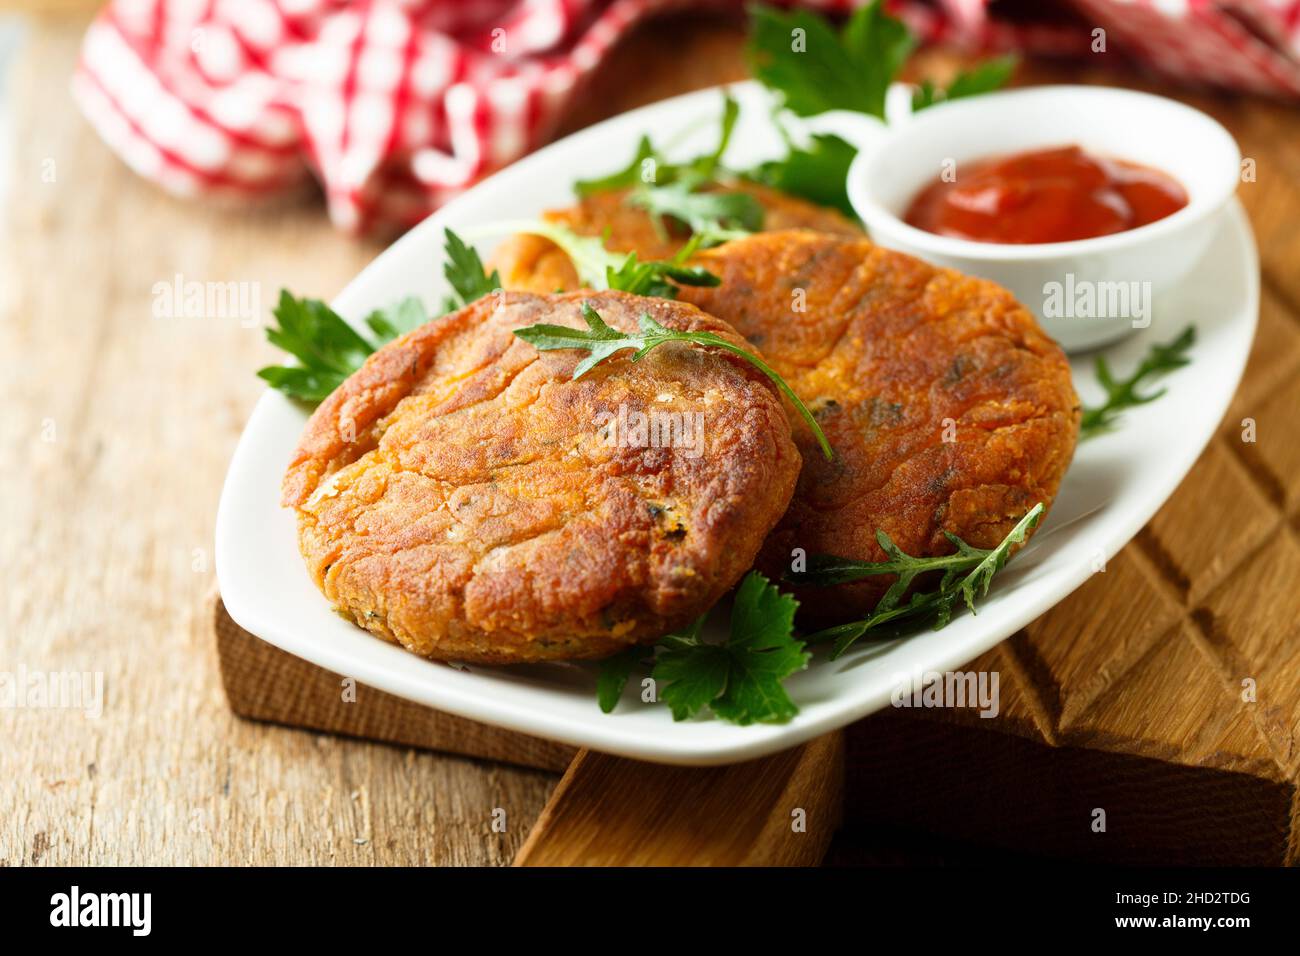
[[948, 407], [461, 495], [533, 264]]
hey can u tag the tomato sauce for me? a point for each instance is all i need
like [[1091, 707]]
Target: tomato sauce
[[1049, 195]]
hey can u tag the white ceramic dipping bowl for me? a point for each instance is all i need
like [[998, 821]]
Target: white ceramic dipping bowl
[[894, 163]]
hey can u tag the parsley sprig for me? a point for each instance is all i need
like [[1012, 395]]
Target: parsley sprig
[[1123, 393], [984, 78], [739, 679], [816, 169], [850, 69], [466, 274], [328, 349], [966, 575], [601, 341]]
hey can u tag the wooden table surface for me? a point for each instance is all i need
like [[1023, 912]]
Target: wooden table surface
[[117, 429]]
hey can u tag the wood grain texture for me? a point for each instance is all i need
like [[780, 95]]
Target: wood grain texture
[[1126, 697], [265, 683], [609, 811], [106, 535], [106, 528]]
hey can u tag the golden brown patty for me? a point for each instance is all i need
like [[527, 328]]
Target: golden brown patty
[[947, 406], [459, 493], [534, 264]]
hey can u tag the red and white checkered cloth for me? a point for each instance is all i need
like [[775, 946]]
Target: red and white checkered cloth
[[397, 105]]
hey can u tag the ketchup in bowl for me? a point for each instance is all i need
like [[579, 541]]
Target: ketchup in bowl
[[1048, 195]]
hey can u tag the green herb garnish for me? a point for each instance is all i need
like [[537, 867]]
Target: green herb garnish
[[328, 349], [649, 159], [390, 323], [817, 69], [817, 171], [984, 78], [967, 575], [665, 188], [601, 341], [826, 70], [465, 273], [614, 672], [714, 217], [598, 268], [1160, 360], [852, 69], [738, 679], [630, 175]]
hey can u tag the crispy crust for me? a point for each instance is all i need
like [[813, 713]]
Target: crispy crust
[[893, 356], [534, 264], [454, 495]]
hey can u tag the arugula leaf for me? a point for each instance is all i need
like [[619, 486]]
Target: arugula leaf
[[967, 575], [817, 172], [614, 672], [740, 679], [712, 216], [850, 70], [1160, 360], [465, 272], [601, 341], [598, 268], [328, 349]]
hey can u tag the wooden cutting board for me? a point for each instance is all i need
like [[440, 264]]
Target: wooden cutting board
[[606, 810], [1165, 693], [1162, 698]]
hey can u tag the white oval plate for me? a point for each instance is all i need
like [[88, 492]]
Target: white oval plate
[[1117, 482]]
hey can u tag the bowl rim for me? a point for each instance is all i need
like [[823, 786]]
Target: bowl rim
[[877, 216]]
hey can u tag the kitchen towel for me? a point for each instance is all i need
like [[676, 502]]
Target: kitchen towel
[[397, 105]]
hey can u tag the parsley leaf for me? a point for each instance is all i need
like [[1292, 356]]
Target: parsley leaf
[[818, 172], [396, 321], [328, 349], [712, 216], [816, 69], [705, 166], [601, 341], [692, 672], [614, 672], [465, 273], [1160, 360], [967, 575], [984, 78], [740, 679], [630, 175]]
